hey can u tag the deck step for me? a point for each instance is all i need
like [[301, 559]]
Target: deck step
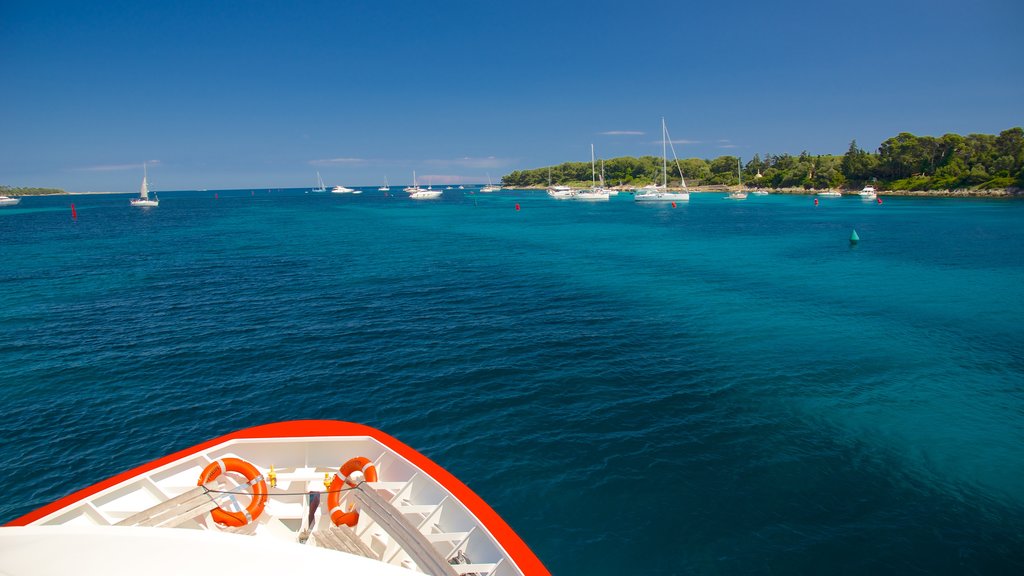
[[175, 511], [411, 540], [344, 539]]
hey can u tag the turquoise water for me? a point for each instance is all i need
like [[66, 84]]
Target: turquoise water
[[719, 388]]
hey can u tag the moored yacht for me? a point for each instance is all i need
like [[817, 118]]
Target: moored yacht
[[8, 201], [655, 193], [490, 187], [560, 192]]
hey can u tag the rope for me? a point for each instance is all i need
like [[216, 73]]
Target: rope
[[346, 489]]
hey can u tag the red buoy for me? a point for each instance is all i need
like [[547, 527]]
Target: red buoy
[[74, 215], [673, 204], [879, 200], [216, 196], [815, 201], [517, 206]]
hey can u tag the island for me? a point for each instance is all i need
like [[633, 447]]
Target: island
[[950, 165]]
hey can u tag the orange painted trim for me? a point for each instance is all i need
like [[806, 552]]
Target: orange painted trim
[[520, 553]]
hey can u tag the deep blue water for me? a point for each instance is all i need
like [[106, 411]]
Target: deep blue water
[[720, 388]]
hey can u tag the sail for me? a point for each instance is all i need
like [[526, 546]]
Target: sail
[[144, 189]]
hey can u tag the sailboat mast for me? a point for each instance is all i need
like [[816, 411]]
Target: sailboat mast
[[664, 153], [739, 170], [593, 169]]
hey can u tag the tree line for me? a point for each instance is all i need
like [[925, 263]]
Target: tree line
[[903, 162], [15, 191]]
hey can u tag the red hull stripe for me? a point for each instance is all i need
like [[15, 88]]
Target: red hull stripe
[[520, 553]]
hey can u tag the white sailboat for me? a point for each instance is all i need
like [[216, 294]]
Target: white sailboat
[[739, 194], [144, 201], [386, 187], [490, 187], [661, 194], [610, 191], [8, 201], [319, 184], [417, 193], [592, 193]]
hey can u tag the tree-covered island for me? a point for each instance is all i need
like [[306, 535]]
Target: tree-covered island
[[15, 191], [904, 162]]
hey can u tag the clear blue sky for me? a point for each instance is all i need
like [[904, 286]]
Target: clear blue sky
[[264, 94]]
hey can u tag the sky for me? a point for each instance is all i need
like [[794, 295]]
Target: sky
[[240, 94]]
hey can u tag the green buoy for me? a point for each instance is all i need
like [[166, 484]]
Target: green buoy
[[854, 238]]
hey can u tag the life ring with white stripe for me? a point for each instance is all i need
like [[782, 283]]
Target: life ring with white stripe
[[253, 478], [354, 472]]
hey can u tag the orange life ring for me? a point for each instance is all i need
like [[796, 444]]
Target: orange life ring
[[339, 515], [254, 478]]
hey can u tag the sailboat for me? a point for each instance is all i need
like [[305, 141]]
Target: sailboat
[[610, 191], [661, 194], [739, 194], [417, 193], [143, 200], [385, 187], [592, 193], [490, 187], [319, 184]]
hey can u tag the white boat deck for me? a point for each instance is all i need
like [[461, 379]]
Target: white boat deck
[[407, 519]]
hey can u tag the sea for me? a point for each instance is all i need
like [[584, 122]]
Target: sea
[[715, 387]]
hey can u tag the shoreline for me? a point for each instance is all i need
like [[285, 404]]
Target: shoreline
[[959, 193]]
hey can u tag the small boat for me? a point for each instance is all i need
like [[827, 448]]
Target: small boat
[[868, 193], [739, 194], [319, 184], [594, 192], [417, 193], [309, 496], [8, 201], [415, 187], [561, 192], [760, 192], [386, 187], [490, 187], [343, 190], [610, 191], [655, 193], [144, 201], [830, 194], [426, 194], [460, 187]]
